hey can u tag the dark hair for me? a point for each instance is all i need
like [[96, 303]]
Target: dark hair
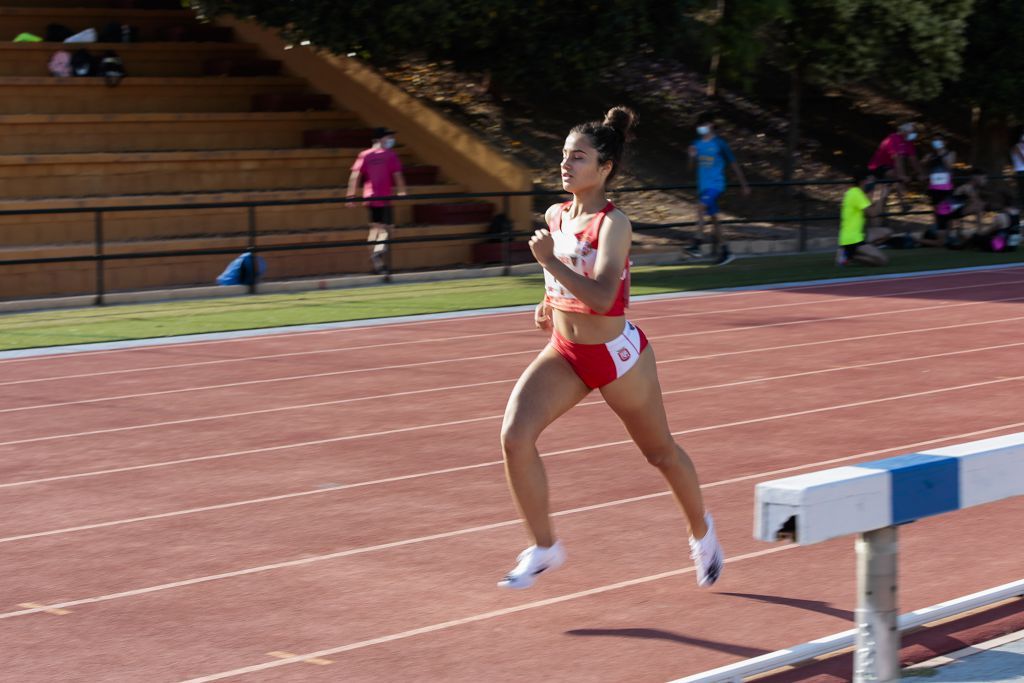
[[610, 136], [860, 175], [706, 117]]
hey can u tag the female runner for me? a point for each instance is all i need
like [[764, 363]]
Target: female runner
[[585, 255]]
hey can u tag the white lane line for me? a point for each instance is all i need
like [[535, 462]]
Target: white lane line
[[275, 379], [470, 336], [830, 301], [433, 628], [856, 316], [264, 568], [756, 380], [299, 494], [229, 385], [457, 316], [454, 360], [70, 351], [260, 334], [523, 331], [496, 525], [844, 339], [206, 418], [232, 385]]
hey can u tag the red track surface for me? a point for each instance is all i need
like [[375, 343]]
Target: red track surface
[[184, 511]]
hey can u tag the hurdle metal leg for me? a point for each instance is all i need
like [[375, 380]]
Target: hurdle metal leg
[[876, 657]]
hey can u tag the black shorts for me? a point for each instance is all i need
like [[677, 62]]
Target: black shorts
[[382, 215], [880, 171], [850, 249]]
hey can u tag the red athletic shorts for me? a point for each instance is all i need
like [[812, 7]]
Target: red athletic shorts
[[599, 364]]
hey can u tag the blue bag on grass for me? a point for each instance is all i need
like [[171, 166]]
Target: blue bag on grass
[[241, 271]]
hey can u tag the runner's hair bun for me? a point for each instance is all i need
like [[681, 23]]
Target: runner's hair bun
[[623, 120]]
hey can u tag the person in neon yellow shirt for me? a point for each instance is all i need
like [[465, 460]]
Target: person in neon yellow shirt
[[856, 242]]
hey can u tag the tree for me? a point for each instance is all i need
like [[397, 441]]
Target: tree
[[911, 46], [520, 43], [993, 78]]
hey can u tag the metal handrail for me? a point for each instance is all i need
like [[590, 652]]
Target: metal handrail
[[251, 235]]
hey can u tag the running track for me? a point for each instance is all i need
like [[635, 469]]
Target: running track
[[330, 506]]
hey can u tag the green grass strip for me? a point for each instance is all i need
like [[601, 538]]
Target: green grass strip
[[143, 321]]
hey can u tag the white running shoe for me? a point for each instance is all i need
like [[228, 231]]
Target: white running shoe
[[532, 562], [725, 257], [707, 554]]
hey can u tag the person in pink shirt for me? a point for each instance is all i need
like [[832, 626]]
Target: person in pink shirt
[[890, 162], [381, 172]]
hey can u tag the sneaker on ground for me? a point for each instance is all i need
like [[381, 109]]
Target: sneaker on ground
[[707, 555], [725, 257], [532, 562], [694, 250]]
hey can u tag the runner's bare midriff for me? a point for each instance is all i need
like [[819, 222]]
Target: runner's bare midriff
[[587, 328]]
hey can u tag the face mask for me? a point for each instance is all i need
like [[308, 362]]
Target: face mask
[[911, 136], [703, 130], [388, 143], [938, 144]]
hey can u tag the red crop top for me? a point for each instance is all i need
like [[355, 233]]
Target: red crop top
[[579, 252]]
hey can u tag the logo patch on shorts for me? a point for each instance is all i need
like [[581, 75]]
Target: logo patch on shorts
[[624, 354]]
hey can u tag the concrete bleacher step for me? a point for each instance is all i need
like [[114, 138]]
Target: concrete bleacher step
[[140, 59], [76, 133], [117, 173], [88, 95], [151, 24]]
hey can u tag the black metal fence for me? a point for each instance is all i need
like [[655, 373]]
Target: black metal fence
[[800, 208]]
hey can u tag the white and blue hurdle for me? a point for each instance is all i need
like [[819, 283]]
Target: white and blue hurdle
[[872, 499]]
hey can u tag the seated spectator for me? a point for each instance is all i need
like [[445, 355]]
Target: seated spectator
[[1002, 233], [856, 242], [890, 160], [967, 200]]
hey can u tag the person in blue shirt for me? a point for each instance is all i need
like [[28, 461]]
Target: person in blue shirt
[[711, 155]]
